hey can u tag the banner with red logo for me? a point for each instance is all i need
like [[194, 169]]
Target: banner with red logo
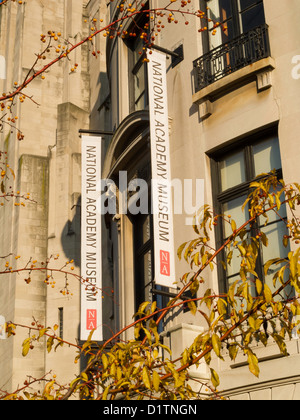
[[91, 261], [161, 171]]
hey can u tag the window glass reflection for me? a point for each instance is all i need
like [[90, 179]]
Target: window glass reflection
[[232, 170]]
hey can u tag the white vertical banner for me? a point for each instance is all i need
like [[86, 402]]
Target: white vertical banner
[[164, 256], [91, 260]]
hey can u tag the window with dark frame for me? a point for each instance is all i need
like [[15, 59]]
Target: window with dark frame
[[61, 322], [143, 246], [234, 35], [235, 17], [145, 287], [137, 69], [138, 77], [232, 173]]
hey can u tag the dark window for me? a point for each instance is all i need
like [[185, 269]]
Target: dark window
[[232, 173], [143, 245], [138, 77], [235, 36], [61, 322], [144, 285], [137, 38], [251, 14]]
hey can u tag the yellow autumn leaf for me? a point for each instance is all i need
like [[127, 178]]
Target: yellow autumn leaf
[[156, 380]]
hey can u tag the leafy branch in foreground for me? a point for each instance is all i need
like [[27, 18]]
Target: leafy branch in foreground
[[251, 311]]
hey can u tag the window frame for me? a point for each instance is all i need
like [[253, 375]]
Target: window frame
[[222, 197], [236, 22], [158, 293], [133, 44], [61, 322], [134, 68], [140, 251]]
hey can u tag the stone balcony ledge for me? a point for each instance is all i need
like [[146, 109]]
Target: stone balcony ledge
[[259, 71]]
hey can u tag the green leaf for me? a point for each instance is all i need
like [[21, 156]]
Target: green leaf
[[268, 264], [74, 382], [264, 239], [214, 378], [12, 172], [285, 241], [267, 293], [180, 249], [42, 332], [90, 335], [192, 307], [148, 334], [165, 348], [185, 357], [280, 275], [153, 328], [153, 307], [137, 330], [216, 343], [245, 203], [221, 305], [179, 379], [278, 202], [233, 225], [105, 393], [113, 370], [189, 249], [194, 287], [229, 257], [146, 378], [259, 286], [252, 323], [281, 343], [258, 323], [253, 363], [104, 361], [119, 373], [84, 377], [231, 293], [143, 306], [156, 380], [245, 291], [242, 250], [86, 346], [50, 342], [27, 395], [293, 263], [196, 259], [26, 347], [233, 351], [207, 298], [255, 184]]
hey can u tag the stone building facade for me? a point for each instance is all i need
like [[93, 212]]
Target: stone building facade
[[233, 113]]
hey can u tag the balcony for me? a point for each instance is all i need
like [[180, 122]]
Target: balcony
[[246, 49]]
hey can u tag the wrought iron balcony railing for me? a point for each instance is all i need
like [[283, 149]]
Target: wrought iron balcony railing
[[231, 56]]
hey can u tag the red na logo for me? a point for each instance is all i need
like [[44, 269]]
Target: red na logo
[[91, 319], [164, 263]]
